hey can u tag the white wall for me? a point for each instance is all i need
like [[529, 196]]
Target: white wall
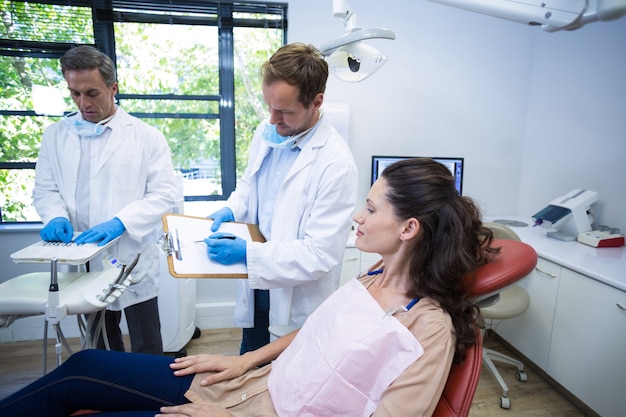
[[576, 128], [528, 110]]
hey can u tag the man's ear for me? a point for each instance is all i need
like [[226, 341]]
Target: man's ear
[[318, 100], [411, 229]]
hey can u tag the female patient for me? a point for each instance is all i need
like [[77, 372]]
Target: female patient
[[381, 345]]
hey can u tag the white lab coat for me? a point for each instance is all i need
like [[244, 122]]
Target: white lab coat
[[311, 221], [134, 181]]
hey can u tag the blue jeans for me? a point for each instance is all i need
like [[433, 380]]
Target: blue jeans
[[117, 383]]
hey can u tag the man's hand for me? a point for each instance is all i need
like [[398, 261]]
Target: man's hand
[[222, 215], [58, 229], [226, 249], [102, 233]]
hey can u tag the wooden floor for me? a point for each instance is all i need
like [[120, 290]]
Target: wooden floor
[[21, 362]]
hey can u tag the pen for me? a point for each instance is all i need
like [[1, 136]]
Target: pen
[[221, 237]]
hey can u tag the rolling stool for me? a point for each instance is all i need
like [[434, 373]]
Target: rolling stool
[[513, 301]]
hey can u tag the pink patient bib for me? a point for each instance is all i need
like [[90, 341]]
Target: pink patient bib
[[346, 354]]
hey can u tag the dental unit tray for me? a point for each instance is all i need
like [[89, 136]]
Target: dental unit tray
[[65, 253]]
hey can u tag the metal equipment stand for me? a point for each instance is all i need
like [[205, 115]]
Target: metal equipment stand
[[89, 328]]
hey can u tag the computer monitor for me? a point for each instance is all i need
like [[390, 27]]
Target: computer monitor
[[455, 165]]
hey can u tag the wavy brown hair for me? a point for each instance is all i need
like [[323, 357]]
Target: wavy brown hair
[[451, 243], [298, 65]]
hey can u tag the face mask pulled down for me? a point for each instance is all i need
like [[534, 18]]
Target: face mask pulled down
[[85, 128], [273, 139]]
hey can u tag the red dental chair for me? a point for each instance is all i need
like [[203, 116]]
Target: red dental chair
[[515, 261]]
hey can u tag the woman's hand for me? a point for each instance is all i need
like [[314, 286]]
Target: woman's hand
[[224, 367], [194, 410]]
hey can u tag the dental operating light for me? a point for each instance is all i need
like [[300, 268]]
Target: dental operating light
[[348, 57], [551, 15]]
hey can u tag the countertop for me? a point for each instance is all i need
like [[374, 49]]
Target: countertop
[[607, 265]]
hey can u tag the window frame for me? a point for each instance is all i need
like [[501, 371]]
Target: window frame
[[107, 12]]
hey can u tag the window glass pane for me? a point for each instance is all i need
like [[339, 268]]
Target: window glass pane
[[253, 46], [180, 60], [206, 107], [195, 148], [32, 84], [26, 84], [257, 16], [203, 12], [16, 198], [46, 22], [20, 137], [167, 59]]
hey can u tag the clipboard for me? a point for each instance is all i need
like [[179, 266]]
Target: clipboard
[[187, 258]]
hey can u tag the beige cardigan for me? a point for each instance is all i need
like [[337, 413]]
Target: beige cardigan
[[414, 393]]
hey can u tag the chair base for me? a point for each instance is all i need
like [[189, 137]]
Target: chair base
[[489, 356]]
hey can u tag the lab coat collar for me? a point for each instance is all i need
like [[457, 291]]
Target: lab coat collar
[[309, 147], [119, 124]]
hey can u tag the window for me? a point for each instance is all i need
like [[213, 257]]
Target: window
[[189, 68]]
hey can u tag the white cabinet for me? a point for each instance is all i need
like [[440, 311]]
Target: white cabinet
[[589, 343], [368, 260], [575, 330], [355, 262], [531, 332], [350, 265]]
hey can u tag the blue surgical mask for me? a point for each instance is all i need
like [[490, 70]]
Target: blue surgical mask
[[85, 128], [273, 139]]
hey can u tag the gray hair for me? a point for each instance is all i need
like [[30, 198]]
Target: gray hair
[[87, 57]]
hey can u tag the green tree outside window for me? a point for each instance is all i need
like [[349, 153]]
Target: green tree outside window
[[172, 81]]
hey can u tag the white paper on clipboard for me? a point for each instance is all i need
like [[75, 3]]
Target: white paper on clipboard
[[189, 257]]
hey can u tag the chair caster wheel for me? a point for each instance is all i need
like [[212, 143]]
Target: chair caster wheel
[[522, 376], [505, 403]]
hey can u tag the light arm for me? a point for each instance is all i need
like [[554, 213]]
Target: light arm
[[551, 15]]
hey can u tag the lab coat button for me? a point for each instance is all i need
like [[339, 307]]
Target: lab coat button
[[243, 397]]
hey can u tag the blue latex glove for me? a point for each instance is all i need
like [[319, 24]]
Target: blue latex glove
[[58, 229], [222, 215], [102, 233], [226, 249]]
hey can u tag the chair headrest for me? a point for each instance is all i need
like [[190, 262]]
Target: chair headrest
[[515, 261]]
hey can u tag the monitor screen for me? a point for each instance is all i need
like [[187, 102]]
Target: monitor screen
[[455, 165]]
